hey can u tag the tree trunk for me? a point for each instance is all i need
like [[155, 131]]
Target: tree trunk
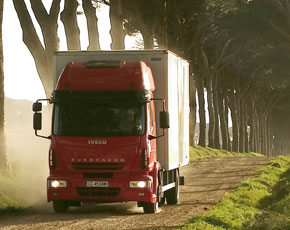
[[217, 143], [69, 19], [201, 111], [242, 131], [262, 134], [246, 119], [257, 132], [223, 123], [270, 139], [234, 115], [252, 128], [147, 34], [92, 25], [192, 115], [48, 24], [4, 161], [161, 34], [211, 127], [117, 31], [226, 113]]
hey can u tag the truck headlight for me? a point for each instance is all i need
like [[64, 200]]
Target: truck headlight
[[140, 184], [56, 183]]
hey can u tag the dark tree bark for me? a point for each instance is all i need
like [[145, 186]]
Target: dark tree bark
[[224, 126], [69, 19], [262, 134], [117, 31], [192, 115], [257, 132], [217, 143], [226, 113], [147, 34], [211, 115], [92, 25], [234, 116], [4, 160], [242, 131], [253, 140], [246, 115], [201, 111]]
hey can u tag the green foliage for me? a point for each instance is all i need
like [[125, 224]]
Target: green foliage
[[269, 221], [262, 202], [282, 206], [201, 225]]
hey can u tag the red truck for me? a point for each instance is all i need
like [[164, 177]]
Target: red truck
[[111, 138]]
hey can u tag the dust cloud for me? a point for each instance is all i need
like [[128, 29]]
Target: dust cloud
[[28, 154]]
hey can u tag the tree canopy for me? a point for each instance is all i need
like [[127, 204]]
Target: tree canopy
[[238, 51]]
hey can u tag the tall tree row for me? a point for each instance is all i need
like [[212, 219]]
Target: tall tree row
[[245, 75]]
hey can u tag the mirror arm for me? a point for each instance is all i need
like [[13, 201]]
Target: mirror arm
[[36, 134], [38, 100], [151, 137], [159, 99]]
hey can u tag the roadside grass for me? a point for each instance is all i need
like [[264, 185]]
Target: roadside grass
[[198, 153], [262, 202], [12, 194], [8, 202]]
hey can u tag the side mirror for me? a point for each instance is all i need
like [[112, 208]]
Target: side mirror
[[37, 120], [37, 107], [164, 120]]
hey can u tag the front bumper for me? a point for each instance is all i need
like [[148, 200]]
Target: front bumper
[[117, 190]]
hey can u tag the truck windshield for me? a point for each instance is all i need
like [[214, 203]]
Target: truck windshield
[[98, 120]]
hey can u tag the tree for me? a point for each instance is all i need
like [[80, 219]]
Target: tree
[[69, 19], [117, 32], [4, 161], [42, 54], [48, 22]]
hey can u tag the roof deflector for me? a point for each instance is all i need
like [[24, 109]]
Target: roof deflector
[[104, 64]]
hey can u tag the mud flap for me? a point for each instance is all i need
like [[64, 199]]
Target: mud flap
[[181, 180]]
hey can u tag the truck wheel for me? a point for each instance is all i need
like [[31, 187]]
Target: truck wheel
[[150, 207], [162, 201], [60, 206], [172, 195]]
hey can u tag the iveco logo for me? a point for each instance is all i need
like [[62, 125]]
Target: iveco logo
[[97, 142]]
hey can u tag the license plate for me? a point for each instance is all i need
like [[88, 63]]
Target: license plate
[[100, 184]]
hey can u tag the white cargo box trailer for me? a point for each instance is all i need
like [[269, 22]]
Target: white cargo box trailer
[[171, 75]]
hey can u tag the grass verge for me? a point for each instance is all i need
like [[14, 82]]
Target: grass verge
[[12, 192], [8, 203], [262, 202], [197, 153]]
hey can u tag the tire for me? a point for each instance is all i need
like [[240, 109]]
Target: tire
[[172, 195], [162, 201], [60, 206], [150, 207]]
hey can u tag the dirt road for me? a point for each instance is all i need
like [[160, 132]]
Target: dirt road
[[206, 182]]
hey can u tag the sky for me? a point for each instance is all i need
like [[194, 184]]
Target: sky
[[21, 80]]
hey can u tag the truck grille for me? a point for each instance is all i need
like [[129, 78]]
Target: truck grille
[[107, 192], [98, 166], [98, 175]]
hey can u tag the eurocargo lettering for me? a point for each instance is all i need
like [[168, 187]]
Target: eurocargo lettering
[[111, 138]]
